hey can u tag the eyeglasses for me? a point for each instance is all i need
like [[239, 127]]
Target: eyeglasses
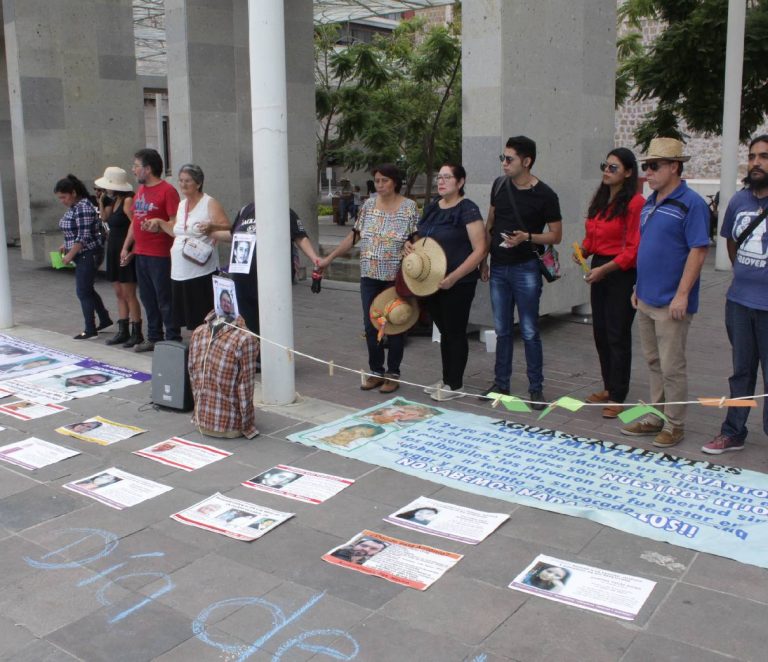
[[443, 178], [652, 165], [610, 167], [506, 159]]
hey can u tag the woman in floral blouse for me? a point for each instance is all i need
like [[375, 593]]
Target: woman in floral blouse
[[383, 225]]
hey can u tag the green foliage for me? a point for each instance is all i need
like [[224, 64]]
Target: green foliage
[[684, 68], [324, 210], [397, 99]]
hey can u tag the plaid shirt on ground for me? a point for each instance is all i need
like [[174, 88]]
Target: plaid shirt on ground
[[222, 371], [79, 226]]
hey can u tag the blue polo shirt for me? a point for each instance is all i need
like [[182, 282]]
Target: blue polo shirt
[[750, 274], [668, 232]]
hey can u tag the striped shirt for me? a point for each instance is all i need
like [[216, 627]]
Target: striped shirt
[[79, 226]]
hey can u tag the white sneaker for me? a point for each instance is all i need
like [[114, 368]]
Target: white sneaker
[[433, 387], [446, 393]]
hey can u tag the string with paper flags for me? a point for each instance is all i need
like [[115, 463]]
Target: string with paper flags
[[632, 411]]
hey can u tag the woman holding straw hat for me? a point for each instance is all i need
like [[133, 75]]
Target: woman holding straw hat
[[383, 225], [116, 210], [442, 264]]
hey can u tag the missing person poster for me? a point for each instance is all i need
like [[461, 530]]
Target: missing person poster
[[183, 454], [117, 489], [224, 297], [27, 411], [243, 249], [34, 453], [100, 431], [299, 484]]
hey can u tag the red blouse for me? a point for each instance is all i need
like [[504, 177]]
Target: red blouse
[[618, 236]]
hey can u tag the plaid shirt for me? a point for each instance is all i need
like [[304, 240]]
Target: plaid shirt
[[382, 235], [222, 371], [79, 226]]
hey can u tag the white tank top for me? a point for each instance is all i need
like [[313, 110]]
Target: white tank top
[[185, 226]]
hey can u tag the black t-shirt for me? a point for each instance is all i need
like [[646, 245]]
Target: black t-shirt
[[448, 227], [245, 221], [537, 206]]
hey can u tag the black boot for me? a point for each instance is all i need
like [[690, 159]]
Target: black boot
[[121, 335], [136, 335]]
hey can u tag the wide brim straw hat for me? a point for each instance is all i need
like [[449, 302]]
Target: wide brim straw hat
[[667, 149], [392, 314], [114, 179], [424, 267]]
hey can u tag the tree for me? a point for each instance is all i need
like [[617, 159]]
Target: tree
[[683, 70]]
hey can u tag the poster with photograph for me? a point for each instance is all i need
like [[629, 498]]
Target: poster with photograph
[[34, 453], [28, 366], [447, 520], [584, 586], [183, 454], [243, 249], [299, 484], [397, 561], [232, 517], [19, 357], [100, 431], [27, 411], [117, 489], [224, 297]]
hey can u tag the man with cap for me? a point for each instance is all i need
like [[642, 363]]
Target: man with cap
[[674, 240], [746, 306]]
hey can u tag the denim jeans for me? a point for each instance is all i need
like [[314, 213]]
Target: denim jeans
[[517, 285], [86, 266], [369, 288], [154, 278], [748, 332]]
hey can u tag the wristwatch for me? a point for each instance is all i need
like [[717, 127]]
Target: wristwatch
[[530, 237]]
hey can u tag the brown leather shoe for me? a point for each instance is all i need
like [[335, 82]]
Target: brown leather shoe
[[371, 382], [669, 437], [612, 410], [600, 396], [389, 385]]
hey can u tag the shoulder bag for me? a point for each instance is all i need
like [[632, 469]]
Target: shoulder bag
[[194, 249]]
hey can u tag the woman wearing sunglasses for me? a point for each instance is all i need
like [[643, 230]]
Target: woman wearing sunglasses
[[612, 238]]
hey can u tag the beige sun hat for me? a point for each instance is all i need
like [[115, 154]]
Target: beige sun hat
[[114, 179], [668, 149], [392, 314], [425, 267]]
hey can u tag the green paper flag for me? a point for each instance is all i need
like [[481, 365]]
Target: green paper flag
[[633, 413], [545, 412], [571, 404], [511, 402]]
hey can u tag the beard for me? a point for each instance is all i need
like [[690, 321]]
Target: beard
[[758, 179]]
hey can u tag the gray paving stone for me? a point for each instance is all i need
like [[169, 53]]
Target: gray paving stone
[[738, 579], [715, 621], [391, 487], [141, 636], [543, 631], [482, 608], [35, 505], [211, 579], [13, 482], [337, 465], [345, 515], [541, 526], [13, 567], [221, 476], [13, 638], [41, 650], [69, 469], [196, 649], [265, 452], [205, 541], [476, 501], [650, 647]]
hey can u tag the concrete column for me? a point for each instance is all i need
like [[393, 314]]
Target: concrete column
[[545, 70], [75, 105], [7, 172]]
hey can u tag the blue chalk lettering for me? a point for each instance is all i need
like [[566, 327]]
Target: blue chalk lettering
[[110, 544], [101, 594], [298, 642]]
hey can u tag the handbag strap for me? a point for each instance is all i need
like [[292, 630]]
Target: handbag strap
[[508, 188], [751, 228]]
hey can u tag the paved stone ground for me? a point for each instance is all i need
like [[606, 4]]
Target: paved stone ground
[[703, 608]]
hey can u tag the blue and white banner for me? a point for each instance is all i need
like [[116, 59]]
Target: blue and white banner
[[692, 503]]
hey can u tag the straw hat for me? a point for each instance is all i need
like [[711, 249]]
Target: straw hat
[[669, 149], [425, 267], [114, 179], [392, 314]]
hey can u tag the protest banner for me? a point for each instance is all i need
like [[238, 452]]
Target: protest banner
[[27, 411], [232, 517], [182, 454], [584, 586], [447, 520], [20, 357], [34, 453], [117, 489], [688, 502], [100, 431], [299, 484], [398, 561]]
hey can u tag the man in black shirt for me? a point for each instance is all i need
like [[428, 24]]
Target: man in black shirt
[[523, 218]]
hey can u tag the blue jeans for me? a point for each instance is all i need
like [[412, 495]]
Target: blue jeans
[[153, 275], [748, 332], [369, 288], [86, 266], [517, 285]]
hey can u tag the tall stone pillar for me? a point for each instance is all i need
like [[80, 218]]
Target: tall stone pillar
[[75, 105], [210, 105], [7, 174], [545, 70]]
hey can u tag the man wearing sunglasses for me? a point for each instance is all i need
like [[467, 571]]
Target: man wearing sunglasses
[[746, 305], [674, 240]]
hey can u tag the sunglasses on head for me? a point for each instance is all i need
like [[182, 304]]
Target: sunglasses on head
[[506, 159], [652, 165], [610, 167]]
